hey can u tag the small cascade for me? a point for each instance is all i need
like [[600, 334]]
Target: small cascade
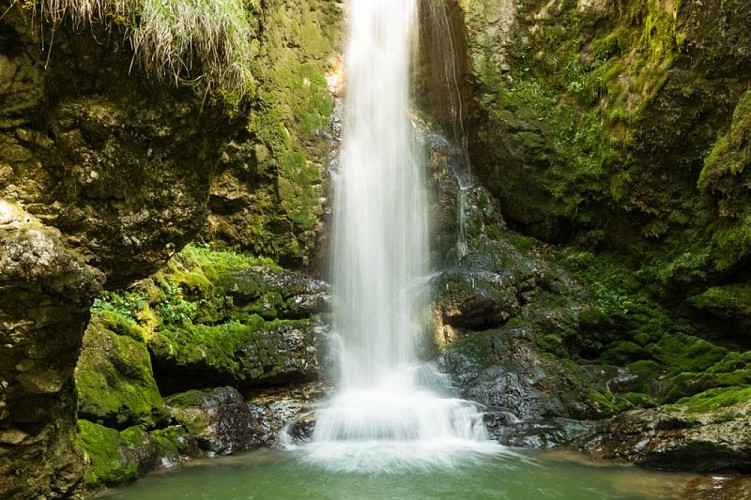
[[391, 410], [443, 38]]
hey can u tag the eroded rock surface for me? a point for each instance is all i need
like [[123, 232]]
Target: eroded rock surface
[[103, 176], [46, 290]]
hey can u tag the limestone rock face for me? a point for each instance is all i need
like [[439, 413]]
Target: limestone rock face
[[586, 117], [103, 176], [45, 293]]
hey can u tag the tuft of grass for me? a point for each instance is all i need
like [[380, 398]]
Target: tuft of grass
[[174, 37], [204, 41]]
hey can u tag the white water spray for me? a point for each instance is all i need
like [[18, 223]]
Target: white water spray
[[388, 412]]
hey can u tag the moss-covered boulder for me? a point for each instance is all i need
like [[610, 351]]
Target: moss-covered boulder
[[253, 353], [706, 433], [115, 457], [114, 379], [220, 419], [215, 317]]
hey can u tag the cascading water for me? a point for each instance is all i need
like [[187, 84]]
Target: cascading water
[[390, 410]]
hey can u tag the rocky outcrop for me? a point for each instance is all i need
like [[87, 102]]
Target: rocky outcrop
[[596, 115], [103, 176], [46, 289], [269, 189], [675, 438], [213, 318]]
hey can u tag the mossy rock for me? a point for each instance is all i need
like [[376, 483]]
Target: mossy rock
[[218, 419], [115, 457], [624, 352], [114, 379], [724, 308], [685, 353], [247, 354], [717, 398]]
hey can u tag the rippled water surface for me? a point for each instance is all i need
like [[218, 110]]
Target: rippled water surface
[[511, 475]]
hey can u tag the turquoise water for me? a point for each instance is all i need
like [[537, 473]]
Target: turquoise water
[[287, 475]]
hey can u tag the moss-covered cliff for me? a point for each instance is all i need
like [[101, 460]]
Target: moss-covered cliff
[[111, 138], [619, 130]]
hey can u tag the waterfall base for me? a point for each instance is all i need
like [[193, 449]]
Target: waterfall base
[[406, 421]]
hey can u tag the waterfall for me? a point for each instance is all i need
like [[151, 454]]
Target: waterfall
[[390, 410], [380, 226]]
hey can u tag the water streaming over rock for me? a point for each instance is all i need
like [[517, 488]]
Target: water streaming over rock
[[390, 411]]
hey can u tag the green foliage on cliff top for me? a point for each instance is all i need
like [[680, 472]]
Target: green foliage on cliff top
[[212, 43]]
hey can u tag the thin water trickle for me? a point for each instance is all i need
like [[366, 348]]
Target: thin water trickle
[[387, 413]]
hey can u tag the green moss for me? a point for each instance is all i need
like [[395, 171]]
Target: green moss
[[725, 302], [240, 351], [639, 400], [685, 353], [171, 440], [623, 352], [605, 402], [114, 380], [724, 180], [104, 448], [717, 398], [291, 111], [646, 369]]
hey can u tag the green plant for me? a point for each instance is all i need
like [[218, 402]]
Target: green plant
[[126, 303], [174, 308]]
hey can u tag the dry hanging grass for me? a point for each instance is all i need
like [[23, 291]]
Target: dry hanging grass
[[172, 36], [205, 41]]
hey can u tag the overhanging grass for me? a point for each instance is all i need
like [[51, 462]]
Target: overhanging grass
[[206, 41]]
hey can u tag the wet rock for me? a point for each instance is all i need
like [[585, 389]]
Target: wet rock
[[219, 419], [279, 294], [547, 433], [515, 378], [675, 438], [287, 416]]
